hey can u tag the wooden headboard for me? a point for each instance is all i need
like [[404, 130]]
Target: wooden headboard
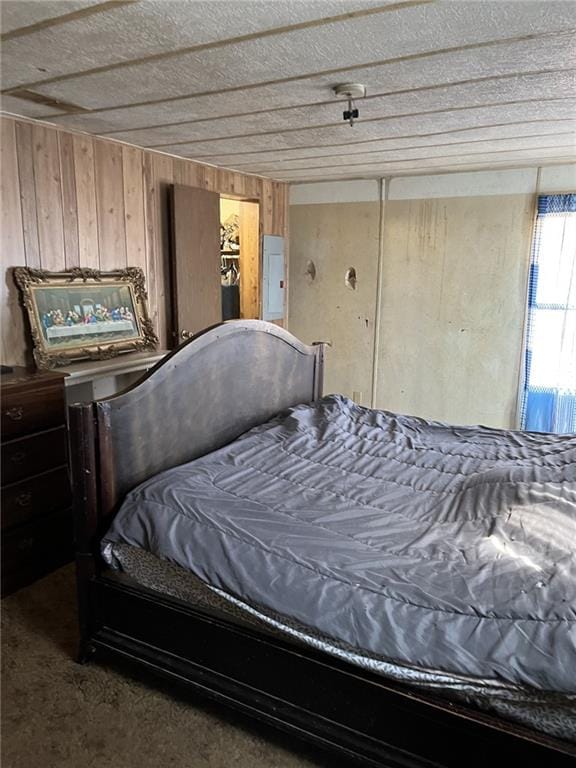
[[203, 395]]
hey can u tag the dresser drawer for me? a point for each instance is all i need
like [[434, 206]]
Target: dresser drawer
[[34, 549], [32, 455], [32, 411], [34, 497]]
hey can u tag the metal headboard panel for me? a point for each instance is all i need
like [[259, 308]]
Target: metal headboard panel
[[203, 395]]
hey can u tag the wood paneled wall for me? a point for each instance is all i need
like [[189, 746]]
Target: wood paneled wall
[[69, 200]]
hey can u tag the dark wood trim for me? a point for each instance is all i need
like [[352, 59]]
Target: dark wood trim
[[306, 692], [107, 476], [85, 470], [82, 430]]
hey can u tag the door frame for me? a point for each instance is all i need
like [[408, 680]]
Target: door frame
[[258, 260]]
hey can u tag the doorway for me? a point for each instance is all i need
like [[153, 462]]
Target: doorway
[[240, 259], [215, 271]]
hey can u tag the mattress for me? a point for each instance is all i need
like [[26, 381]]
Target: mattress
[[431, 546]]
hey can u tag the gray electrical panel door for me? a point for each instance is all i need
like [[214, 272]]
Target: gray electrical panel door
[[273, 279]]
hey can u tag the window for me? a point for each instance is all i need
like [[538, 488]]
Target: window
[[549, 392]]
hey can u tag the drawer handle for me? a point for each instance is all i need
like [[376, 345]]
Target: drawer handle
[[24, 499], [16, 413], [18, 458]]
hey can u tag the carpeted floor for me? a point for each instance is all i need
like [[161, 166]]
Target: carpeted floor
[[59, 714]]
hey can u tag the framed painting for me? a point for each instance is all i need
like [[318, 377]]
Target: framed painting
[[85, 314]]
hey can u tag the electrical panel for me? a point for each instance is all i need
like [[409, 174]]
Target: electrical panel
[[273, 278]]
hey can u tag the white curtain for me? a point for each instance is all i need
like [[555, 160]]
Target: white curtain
[[549, 397]]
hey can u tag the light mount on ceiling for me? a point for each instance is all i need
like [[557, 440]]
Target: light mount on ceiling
[[350, 91]]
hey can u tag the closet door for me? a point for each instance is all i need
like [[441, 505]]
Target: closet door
[[195, 269]]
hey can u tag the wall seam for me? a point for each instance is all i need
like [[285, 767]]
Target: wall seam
[[383, 190]]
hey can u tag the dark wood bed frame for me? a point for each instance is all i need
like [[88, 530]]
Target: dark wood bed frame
[[203, 395]]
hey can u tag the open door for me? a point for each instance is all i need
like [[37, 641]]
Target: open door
[[195, 254]]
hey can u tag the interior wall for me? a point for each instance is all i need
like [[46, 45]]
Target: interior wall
[[454, 277], [73, 200], [447, 270], [328, 240]]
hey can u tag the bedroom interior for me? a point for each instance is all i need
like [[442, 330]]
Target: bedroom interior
[[288, 347]]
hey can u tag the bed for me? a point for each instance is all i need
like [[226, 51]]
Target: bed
[[400, 590]]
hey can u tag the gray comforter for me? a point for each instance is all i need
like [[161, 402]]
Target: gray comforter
[[438, 547]]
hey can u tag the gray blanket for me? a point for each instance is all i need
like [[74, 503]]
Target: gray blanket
[[438, 547]]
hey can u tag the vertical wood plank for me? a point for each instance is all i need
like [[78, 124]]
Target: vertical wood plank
[[282, 203], [210, 178], [110, 205], [12, 231], [150, 217], [252, 187], [233, 183], [12, 252], [134, 207], [47, 182], [223, 181], [238, 184], [187, 173], [250, 270], [69, 203], [267, 207], [88, 246], [28, 193], [277, 216]]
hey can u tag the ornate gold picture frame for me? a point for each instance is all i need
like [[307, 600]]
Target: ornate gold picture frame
[[85, 314]]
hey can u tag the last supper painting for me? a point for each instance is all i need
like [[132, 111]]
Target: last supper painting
[[85, 313]]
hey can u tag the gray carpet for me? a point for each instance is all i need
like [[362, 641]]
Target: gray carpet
[[59, 714]]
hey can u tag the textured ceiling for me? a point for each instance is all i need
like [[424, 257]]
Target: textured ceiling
[[247, 84]]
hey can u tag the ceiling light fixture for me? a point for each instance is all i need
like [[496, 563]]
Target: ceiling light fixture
[[350, 91]]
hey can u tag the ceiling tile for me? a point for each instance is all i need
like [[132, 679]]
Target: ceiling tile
[[464, 162], [357, 41], [153, 27], [400, 126], [564, 141], [554, 52], [465, 136], [26, 108], [524, 88], [16, 14]]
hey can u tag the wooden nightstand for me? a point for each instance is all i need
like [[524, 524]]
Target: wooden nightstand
[[36, 515]]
